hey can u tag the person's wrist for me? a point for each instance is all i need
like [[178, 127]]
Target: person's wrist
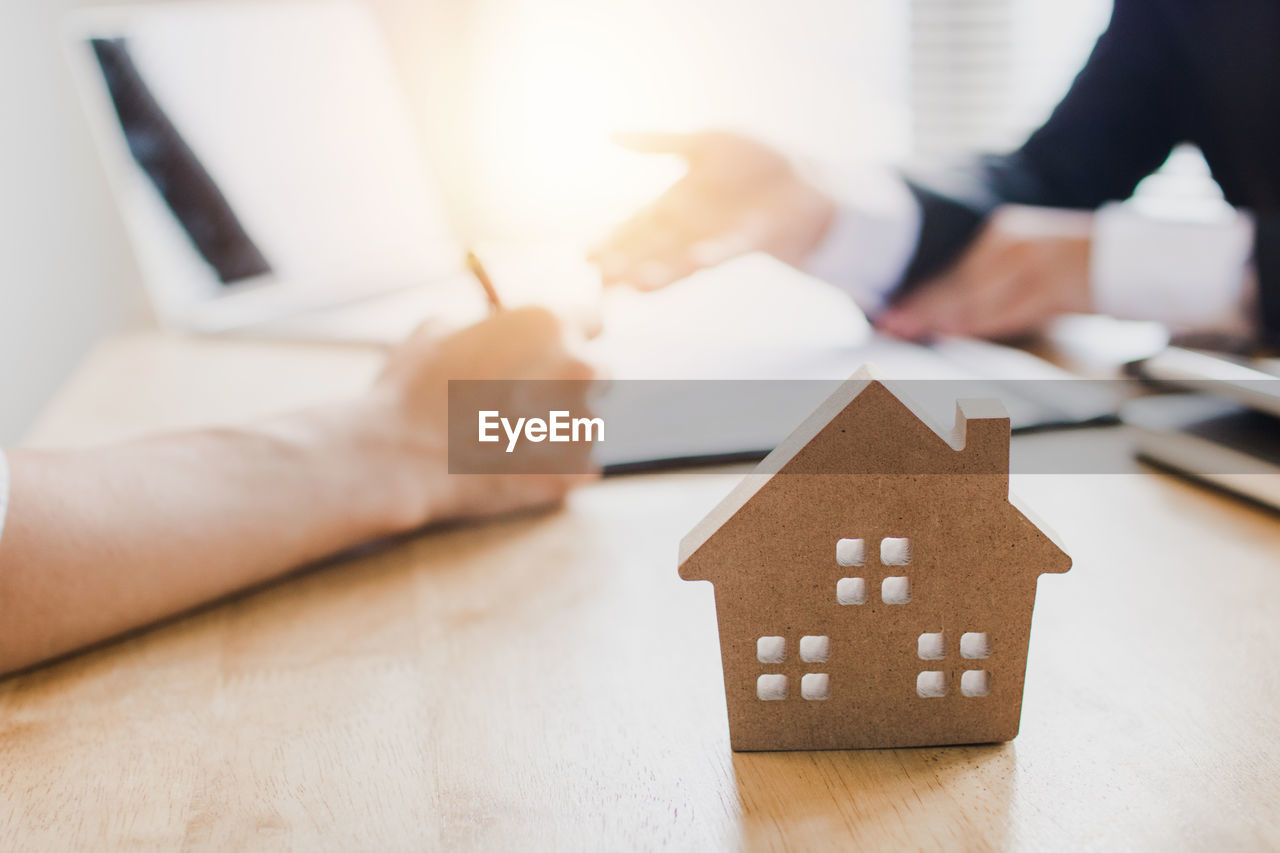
[[868, 238], [408, 455], [366, 452], [819, 216], [812, 214]]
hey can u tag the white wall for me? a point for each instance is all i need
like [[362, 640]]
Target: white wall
[[66, 278]]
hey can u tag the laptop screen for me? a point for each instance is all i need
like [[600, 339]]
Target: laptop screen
[[189, 192], [275, 138]]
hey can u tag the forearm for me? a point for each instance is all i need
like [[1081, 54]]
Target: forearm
[[101, 541]]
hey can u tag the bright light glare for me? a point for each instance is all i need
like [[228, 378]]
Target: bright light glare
[[548, 81], [544, 110]]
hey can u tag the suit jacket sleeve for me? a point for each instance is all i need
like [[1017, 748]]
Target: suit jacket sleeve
[[1117, 124], [1266, 261]]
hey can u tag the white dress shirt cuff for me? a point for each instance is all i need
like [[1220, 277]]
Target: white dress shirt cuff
[[1190, 275], [4, 490], [871, 239]]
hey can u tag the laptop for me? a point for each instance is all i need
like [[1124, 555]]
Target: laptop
[[265, 166], [1223, 429]]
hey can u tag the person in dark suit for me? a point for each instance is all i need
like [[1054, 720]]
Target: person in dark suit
[[1004, 243]]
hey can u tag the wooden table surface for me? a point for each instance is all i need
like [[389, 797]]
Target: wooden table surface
[[548, 683]]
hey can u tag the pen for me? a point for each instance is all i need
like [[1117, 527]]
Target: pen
[[477, 269]]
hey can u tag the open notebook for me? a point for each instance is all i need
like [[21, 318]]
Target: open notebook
[[723, 365]]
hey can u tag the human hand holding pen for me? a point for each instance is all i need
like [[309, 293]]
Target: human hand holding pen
[[99, 541]]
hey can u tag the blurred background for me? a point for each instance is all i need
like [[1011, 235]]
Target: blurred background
[[514, 101]]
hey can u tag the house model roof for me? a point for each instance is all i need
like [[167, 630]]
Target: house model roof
[[894, 438]]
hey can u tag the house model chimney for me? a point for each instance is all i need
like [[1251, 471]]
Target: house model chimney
[[982, 430]]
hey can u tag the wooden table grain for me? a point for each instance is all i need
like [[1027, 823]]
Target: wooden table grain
[[547, 683]]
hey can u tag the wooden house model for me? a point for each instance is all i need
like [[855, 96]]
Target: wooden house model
[[874, 581]]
